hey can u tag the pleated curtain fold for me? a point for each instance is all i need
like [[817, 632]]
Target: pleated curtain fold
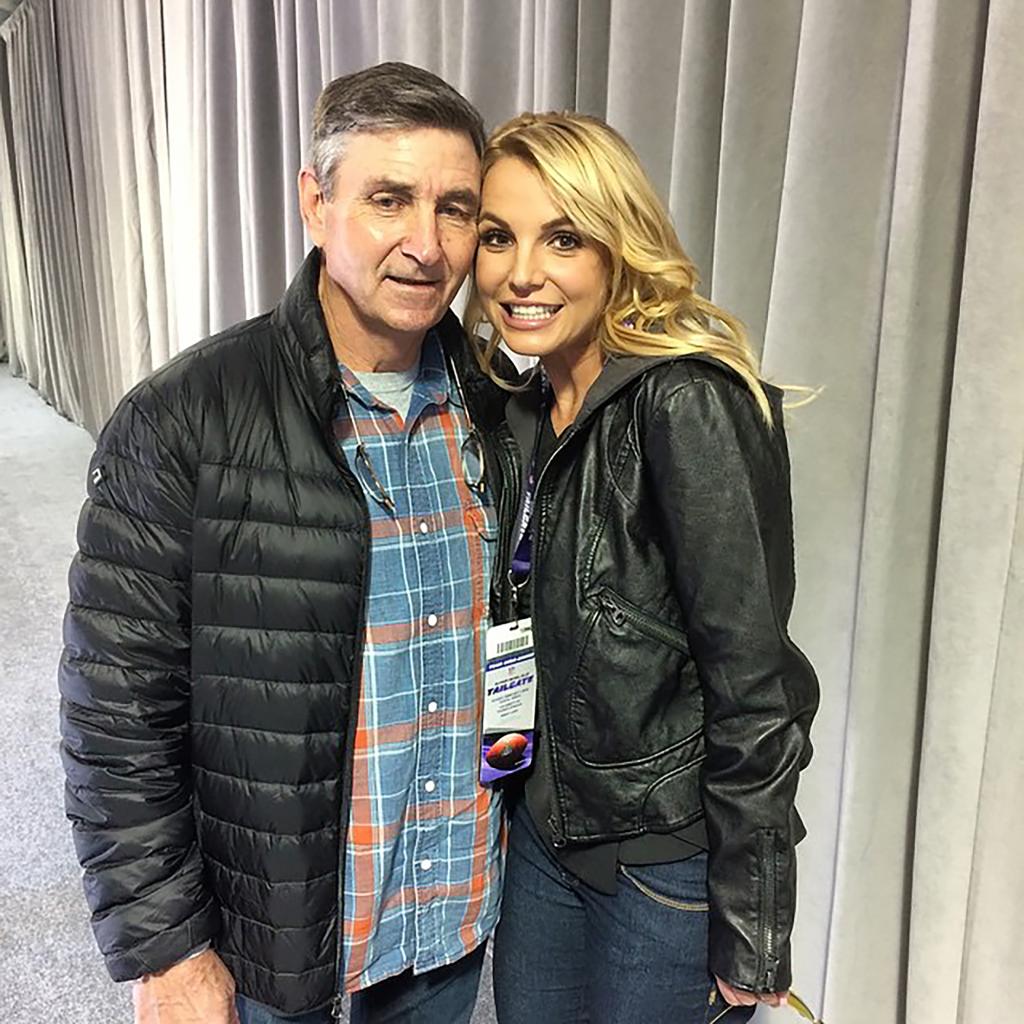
[[846, 173]]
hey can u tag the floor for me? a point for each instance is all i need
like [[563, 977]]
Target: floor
[[50, 970]]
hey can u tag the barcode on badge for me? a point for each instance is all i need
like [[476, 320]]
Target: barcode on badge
[[515, 644]]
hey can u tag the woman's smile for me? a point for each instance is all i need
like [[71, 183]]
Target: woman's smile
[[532, 317], [543, 284]]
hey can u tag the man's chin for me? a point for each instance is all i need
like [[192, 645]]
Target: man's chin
[[415, 320], [419, 323]]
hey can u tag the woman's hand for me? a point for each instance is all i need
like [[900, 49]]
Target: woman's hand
[[740, 997]]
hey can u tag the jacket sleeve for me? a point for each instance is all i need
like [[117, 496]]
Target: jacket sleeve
[[722, 480], [124, 683]]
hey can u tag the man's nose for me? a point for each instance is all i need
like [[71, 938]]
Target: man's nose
[[423, 240]]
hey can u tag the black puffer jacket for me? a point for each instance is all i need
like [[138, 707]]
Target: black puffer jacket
[[669, 686], [213, 645]]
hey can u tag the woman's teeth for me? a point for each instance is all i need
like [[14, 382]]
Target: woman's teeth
[[533, 312]]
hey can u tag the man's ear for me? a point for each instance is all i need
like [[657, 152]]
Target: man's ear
[[312, 206]]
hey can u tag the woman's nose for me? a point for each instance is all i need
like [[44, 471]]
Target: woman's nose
[[527, 274]]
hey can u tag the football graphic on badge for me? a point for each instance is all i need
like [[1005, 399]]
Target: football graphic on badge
[[507, 751]]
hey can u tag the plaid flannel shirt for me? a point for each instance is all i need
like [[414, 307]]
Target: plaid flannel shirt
[[424, 857]]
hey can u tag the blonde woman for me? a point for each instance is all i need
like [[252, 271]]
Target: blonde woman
[[651, 872]]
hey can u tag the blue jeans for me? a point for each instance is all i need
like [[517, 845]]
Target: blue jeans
[[565, 953], [442, 996]]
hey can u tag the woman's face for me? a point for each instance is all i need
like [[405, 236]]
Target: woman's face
[[543, 285]]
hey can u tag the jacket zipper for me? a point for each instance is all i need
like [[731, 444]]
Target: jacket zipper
[[337, 1001], [507, 500], [555, 819], [620, 610], [771, 963]]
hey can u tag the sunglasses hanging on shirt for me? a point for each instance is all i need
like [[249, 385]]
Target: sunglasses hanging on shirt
[[471, 453]]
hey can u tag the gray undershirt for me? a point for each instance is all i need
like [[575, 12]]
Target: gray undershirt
[[391, 388]]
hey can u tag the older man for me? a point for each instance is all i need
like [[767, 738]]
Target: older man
[[274, 642]]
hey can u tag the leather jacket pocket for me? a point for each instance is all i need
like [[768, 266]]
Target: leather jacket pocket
[[634, 695], [621, 611]]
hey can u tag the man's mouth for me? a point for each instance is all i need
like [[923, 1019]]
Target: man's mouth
[[529, 312], [414, 281]]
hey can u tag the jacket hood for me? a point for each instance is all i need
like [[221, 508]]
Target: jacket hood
[[524, 407]]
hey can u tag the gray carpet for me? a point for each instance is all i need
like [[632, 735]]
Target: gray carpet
[[50, 971]]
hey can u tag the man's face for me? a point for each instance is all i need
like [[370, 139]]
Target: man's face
[[399, 231]]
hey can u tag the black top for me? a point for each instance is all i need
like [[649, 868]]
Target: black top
[[595, 863]]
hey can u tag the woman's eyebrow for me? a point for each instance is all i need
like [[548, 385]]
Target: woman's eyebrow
[[558, 222], [487, 215]]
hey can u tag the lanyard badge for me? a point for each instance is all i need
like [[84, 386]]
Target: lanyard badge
[[510, 677], [510, 698]]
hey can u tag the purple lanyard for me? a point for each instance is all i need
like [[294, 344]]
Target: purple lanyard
[[522, 559]]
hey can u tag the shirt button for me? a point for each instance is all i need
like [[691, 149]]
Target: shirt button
[[432, 706], [431, 619], [425, 864], [430, 785], [423, 526]]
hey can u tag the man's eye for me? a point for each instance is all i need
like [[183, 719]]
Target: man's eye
[[566, 240], [455, 212], [387, 203], [493, 238]]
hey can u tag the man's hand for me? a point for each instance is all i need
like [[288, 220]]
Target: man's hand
[[740, 997], [196, 991]]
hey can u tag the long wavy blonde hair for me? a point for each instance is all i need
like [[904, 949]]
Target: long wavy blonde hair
[[653, 308]]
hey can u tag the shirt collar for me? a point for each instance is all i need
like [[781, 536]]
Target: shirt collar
[[431, 381]]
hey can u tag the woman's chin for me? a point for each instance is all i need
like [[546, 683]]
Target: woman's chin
[[521, 348]]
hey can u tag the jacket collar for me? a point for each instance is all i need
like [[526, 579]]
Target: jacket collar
[[526, 406], [307, 348]]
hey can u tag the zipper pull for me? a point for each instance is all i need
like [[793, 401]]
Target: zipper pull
[[614, 611], [336, 1007], [556, 839]]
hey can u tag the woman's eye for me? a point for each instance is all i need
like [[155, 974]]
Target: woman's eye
[[493, 238], [566, 240]]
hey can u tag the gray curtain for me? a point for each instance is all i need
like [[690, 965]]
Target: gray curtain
[[46, 333], [8, 209], [847, 175]]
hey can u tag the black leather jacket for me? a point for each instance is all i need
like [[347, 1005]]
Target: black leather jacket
[[669, 686]]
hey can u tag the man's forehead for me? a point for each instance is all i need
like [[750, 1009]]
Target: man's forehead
[[410, 155]]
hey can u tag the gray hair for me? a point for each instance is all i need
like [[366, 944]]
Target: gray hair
[[387, 97]]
